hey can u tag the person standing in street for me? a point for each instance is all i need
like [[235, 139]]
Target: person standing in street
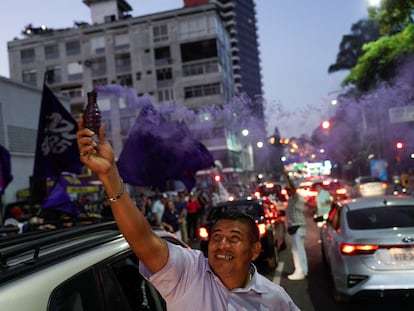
[[296, 223], [226, 280], [323, 203], [193, 208]]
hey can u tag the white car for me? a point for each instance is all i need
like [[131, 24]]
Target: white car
[[368, 186], [368, 245], [80, 268]]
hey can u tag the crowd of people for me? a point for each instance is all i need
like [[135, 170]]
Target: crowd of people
[[180, 213]]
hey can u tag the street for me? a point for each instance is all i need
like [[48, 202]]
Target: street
[[315, 292]]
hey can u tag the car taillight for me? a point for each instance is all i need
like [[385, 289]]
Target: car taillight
[[262, 229], [358, 249], [269, 185], [283, 191], [203, 233], [257, 194], [384, 186], [312, 193], [341, 191]]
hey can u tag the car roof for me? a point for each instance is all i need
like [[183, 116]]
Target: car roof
[[43, 249], [375, 201]]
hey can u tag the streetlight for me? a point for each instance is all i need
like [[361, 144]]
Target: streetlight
[[326, 124], [259, 144], [245, 132]]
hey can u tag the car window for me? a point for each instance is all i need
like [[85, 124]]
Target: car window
[[138, 292], [112, 285], [381, 217], [77, 294]]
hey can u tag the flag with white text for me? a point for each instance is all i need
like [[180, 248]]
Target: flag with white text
[[56, 147]]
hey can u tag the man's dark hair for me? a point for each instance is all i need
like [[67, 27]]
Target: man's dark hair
[[243, 218]]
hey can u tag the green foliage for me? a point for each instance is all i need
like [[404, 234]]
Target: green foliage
[[393, 15], [379, 59]]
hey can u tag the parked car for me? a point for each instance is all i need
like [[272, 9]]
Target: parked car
[[368, 245], [367, 186], [88, 267], [269, 219]]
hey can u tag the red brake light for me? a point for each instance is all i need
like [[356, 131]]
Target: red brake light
[[326, 182], [257, 194], [358, 249], [384, 185], [269, 185], [203, 233], [284, 192], [341, 191]]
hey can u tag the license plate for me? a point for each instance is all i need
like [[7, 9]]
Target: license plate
[[402, 254]]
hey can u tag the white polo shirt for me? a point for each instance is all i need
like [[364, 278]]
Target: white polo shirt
[[187, 283]]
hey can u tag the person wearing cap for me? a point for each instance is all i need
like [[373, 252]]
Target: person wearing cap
[[14, 221], [224, 280]]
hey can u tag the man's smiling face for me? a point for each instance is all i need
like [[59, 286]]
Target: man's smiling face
[[231, 249]]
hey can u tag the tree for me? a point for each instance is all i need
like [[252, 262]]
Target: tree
[[380, 59], [350, 48], [393, 15]]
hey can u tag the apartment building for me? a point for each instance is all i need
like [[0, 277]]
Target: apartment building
[[193, 56]]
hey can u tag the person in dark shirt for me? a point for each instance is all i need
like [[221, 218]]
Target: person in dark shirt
[[171, 219]]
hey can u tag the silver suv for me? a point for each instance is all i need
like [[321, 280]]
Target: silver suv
[[81, 268]]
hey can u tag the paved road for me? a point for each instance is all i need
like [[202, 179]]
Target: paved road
[[315, 292]]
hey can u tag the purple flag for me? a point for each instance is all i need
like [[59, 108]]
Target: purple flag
[[56, 148], [59, 199], [5, 169], [158, 150]]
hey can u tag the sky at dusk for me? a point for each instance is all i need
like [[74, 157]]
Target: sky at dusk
[[298, 40]]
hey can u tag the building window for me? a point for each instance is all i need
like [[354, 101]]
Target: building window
[[73, 92], [29, 77], [138, 76], [75, 71], [97, 45], [73, 48], [162, 56], [197, 26], [52, 51], [123, 62], [160, 33], [109, 18], [200, 68], [121, 41], [202, 90], [164, 74], [198, 50], [98, 82], [165, 95], [126, 124], [98, 67], [27, 56], [125, 80], [54, 74]]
